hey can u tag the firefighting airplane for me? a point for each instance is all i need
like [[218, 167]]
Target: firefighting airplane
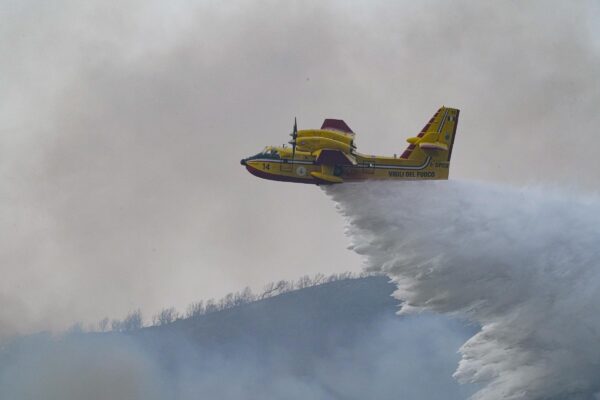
[[328, 155]]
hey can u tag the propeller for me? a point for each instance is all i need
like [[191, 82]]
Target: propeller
[[294, 135]]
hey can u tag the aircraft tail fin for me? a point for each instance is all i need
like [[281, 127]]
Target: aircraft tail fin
[[436, 139]]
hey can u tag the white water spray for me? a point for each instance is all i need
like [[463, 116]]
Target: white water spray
[[522, 263]]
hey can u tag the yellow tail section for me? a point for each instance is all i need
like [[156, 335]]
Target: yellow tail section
[[436, 139]]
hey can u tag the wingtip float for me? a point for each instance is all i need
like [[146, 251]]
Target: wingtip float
[[328, 155]]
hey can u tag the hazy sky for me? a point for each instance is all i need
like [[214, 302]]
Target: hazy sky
[[123, 125]]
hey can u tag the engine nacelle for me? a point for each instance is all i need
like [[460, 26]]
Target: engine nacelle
[[314, 143], [333, 135]]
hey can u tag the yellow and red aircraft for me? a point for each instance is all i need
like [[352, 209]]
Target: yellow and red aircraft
[[328, 155]]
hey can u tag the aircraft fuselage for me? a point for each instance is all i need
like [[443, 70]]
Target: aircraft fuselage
[[279, 166], [328, 155]]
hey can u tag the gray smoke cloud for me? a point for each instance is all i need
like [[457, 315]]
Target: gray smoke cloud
[[412, 356], [123, 125], [81, 368], [522, 263]]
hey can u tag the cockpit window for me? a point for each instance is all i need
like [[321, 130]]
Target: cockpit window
[[267, 153]]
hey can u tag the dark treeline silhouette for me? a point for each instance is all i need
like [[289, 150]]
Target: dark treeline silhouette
[[134, 319]]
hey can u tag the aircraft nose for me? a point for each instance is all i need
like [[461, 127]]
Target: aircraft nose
[[243, 161]]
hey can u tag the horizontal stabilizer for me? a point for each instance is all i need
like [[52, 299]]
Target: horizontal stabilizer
[[436, 138], [433, 146]]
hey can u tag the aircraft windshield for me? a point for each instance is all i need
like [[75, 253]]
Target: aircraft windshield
[[268, 152]]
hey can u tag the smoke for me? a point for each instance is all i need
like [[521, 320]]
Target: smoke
[[123, 124], [93, 368], [413, 355], [522, 263]]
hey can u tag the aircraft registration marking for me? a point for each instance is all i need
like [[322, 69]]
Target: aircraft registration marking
[[412, 174]]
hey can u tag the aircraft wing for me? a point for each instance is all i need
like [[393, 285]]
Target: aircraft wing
[[334, 157]]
